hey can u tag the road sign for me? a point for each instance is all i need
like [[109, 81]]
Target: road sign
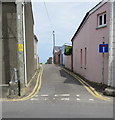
[[20, 47], [103, 48]]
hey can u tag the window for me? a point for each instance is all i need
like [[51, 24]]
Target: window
[[85, 57], [102, 20], [81, 58]]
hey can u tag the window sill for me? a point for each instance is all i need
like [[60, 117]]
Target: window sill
[[99, 27]]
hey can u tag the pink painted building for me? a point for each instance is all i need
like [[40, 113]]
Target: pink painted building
[[94, 30]]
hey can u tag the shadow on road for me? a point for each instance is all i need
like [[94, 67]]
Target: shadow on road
[[69, 79]]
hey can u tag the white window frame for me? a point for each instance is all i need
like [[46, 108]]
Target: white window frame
[[102, 20]]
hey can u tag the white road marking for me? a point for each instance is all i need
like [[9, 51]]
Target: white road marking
[[36, 96], [91, 99], [77, 95], [64, 99], [34, 99], [64, 95], [45, 99], [56, 95], [44, 95], [77, 99]]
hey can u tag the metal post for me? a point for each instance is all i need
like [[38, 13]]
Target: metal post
[[20, 43], [53, 39], [103, 62], [103, 69], [19, 89]]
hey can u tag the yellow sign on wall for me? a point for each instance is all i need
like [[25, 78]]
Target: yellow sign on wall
[[20, 47]]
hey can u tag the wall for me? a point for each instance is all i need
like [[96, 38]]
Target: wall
[[62, 55], [68, 62], [1, 44], [111, 72], [9, 40], [29, 40], [9, 34], [35, 54], [90, 37], [58, 58], [63, 50], [113, 84]]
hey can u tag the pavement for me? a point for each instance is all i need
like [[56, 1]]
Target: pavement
[[99, 87], [61, 96], [109, 91], [4, 89], [25, 91]]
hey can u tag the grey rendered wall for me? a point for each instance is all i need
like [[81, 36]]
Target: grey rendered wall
[[9, 40], [1, 44], [29, 40]]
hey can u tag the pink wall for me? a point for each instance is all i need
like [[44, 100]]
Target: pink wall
[[67, 61], [89, 37]]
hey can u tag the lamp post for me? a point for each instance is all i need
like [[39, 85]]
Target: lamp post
[[54, 47]]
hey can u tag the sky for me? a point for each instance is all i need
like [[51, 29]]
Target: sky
[[62, 17]]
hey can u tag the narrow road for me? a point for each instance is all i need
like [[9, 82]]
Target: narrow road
[[60, 96]]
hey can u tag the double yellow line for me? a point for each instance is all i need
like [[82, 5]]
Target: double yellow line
[[35, 90], [90, 89]]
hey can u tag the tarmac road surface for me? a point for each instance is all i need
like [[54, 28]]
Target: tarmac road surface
[[60, 96]]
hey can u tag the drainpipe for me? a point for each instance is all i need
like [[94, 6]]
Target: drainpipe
[[25, 54], [37, 52], [72, 58]]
